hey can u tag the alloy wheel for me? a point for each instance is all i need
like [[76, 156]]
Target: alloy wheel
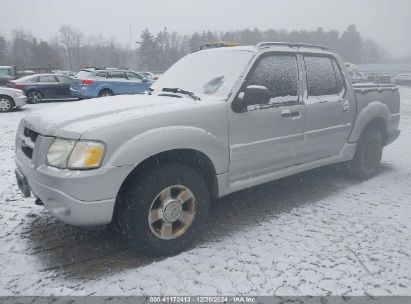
[[5, 104], [35, 97], [172, 212]]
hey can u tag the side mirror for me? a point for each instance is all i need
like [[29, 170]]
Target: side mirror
[[256, 95], [145, 80]]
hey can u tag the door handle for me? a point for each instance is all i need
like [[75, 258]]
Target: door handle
[[288, 113]]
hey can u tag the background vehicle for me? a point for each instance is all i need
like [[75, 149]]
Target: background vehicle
[[149, 75], [403, 79], [98, 82], [41, 87], [11, 98], [7, 73], [218, 121], [66, 73]]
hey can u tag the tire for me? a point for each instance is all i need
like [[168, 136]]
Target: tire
[[145, 194], [105, 92], [6, 104], [34, 97], [367, 158]]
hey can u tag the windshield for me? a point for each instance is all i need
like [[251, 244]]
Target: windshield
[[206, 74]]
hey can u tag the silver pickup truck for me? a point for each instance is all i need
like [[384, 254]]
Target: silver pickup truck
[[218, 121]]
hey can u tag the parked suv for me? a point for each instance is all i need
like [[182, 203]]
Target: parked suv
[[98, 82], [218, 121]]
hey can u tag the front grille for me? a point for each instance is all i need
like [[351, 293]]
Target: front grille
[[27, 151], [28, 141], [32, 134]]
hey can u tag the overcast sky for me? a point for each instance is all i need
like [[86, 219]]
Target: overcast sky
[[388, 22]]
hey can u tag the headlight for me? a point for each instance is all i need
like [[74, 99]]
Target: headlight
[[19, 94], [71, 154], [59, 152], [86, 155]]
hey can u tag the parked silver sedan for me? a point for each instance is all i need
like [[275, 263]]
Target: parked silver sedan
[[11, 98]]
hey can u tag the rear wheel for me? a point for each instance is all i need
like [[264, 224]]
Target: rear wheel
[[6, 104], [34, 97], [105, 92], [367, 158], [163, 210]]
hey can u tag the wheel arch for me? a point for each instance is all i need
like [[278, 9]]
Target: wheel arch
[[375, 114], [194, 159]]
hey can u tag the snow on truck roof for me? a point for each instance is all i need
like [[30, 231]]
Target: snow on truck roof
[[286, 46]]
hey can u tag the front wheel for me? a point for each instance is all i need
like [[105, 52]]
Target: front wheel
[[34, 97], [367, 158], [163, 210]]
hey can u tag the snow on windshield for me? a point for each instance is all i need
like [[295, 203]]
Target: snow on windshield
[[209, 73]]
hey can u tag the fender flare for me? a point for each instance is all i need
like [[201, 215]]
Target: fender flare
[[155, 141], [374, 110]]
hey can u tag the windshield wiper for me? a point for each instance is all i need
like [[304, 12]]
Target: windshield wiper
[[180, 91]]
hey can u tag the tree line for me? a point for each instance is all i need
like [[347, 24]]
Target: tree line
[[71, 49]]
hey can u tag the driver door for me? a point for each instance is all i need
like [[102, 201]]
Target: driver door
[[268, 137]]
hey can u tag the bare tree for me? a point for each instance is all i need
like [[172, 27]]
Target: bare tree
[[71, 40]]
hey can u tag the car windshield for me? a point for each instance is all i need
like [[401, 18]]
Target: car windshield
[[206, 74]]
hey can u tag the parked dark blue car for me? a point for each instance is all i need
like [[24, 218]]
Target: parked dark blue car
[[39, 87], [98, 82]]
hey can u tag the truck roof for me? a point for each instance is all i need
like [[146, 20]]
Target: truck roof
[[280, 46]]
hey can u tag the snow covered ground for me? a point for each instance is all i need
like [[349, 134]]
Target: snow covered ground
[[317, 233]]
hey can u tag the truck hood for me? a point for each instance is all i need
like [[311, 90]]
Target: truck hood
[[73, 119]]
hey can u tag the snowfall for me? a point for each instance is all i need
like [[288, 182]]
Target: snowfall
[[317, 233]]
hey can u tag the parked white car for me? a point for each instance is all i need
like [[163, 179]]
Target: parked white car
[[11, 98]]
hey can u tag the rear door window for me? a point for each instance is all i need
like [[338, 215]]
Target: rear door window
[[339, 77], [47, 78], [101, 75], [117, 75], [321, 78], [279, 74]]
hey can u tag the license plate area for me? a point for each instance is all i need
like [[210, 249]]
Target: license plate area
[[22, 184]]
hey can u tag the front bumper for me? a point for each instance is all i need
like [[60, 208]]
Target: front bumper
[[80, 198], [20, 101], [68, 209]]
